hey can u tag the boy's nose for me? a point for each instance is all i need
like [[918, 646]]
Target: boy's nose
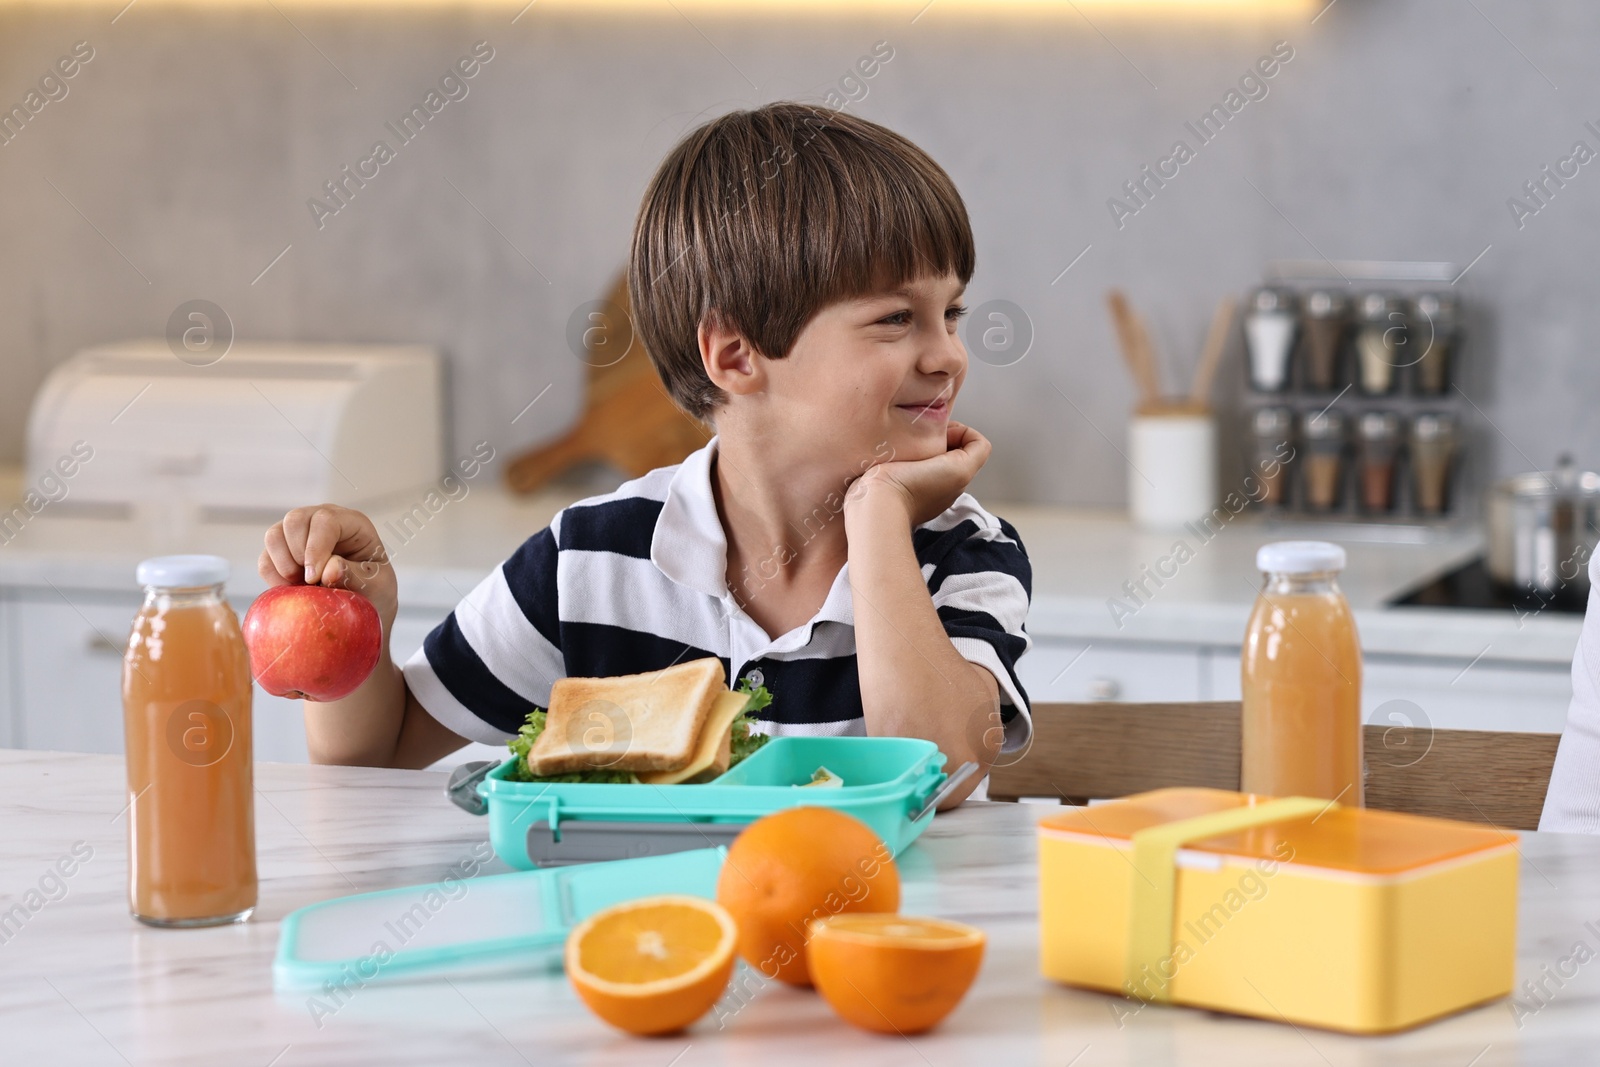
[[944, 354]]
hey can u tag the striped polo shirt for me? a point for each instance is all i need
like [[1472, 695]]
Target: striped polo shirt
[[635, 581]]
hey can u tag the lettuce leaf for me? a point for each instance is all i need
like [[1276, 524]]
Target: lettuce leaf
[[744, 743]]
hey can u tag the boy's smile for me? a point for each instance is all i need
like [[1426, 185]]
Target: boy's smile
[[936, 407]]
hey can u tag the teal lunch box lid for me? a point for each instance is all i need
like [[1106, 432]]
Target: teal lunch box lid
[[491, 923]]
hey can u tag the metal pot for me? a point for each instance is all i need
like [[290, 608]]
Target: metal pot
[[1543, 527]]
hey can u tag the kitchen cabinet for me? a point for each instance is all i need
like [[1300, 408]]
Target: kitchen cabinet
[[410, 629], [1445, 694], [1400, 691], [61, 676], [61, 668], [1078, 671], [405, 637], [67, 659], [68, 662]]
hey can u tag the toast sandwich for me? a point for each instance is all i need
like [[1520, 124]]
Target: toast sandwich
[[635, 722]]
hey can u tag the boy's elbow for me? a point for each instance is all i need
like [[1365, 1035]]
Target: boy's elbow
[[962, 792], [984, 756]]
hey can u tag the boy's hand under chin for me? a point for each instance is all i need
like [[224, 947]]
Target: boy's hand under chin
[[924, 487]]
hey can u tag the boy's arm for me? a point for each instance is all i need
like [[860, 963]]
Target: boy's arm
[[914, 683], [362, 730]]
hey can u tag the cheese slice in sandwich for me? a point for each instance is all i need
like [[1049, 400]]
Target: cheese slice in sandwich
[[633, 722], [715, 751]]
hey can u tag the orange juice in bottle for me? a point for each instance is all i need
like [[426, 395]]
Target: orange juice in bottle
[[1301, 677], [186, 714]]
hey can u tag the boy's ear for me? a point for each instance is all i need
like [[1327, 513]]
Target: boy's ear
[[729, 358]]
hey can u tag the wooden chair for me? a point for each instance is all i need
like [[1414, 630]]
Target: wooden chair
[[1095, 751]]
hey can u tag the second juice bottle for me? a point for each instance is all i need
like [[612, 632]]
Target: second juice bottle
[[1301, 679]]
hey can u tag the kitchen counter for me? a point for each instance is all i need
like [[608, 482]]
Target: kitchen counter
[[438, 555], [86, 984], [1081, 560]]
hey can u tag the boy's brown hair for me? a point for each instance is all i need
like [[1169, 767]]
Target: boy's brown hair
[[763, 217]]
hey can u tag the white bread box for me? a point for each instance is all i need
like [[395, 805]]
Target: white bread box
[[270, 427]]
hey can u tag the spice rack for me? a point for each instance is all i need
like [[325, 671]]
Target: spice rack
[[1351, 368]]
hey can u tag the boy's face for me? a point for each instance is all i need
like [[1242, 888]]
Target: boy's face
[[874, 378]]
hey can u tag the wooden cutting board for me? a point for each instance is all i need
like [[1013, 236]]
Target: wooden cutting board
[[628, 420]]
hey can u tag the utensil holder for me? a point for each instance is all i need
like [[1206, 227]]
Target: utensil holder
[[1172, 468]]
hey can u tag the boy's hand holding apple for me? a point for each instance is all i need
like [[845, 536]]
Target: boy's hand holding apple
[[322, 625], [333, 546]]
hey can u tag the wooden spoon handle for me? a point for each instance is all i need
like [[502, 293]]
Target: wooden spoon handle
[[1135, 347], [1147, 359], [1216, 338]]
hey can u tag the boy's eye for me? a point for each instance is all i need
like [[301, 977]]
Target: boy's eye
[[898, 318], [955, 311]]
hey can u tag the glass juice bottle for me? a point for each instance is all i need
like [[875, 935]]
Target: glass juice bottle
[[1301, 679], [186, 714]]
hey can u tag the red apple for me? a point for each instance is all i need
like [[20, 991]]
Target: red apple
[[312, 641]]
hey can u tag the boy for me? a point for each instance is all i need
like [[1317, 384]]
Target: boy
[[796, 278]]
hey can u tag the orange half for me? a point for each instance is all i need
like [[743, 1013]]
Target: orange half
[[894, 974], [652, 965]]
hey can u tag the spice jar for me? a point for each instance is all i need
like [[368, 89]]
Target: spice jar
[[1271, 450], [1323, 472], [1436, 325], [1433, 446], [1378, 435], [1381, 341], [1269, 332], [1326, 322]]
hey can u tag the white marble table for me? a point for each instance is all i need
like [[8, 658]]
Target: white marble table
[[82, 983]]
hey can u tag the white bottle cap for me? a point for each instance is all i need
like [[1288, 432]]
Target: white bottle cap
[[182, 572], [1299, 557]]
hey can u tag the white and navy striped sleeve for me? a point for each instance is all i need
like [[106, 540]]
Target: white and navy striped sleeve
[[494, 658], [981, 582]]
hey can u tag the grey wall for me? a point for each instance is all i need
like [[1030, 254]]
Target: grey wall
[[193, 139]]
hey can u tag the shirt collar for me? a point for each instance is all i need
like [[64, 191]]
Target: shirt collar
[[690, 547]]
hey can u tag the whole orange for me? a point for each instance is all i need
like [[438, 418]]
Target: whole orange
[[893, 973], [796, 865]]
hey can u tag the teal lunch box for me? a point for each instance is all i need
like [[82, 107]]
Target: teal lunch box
[[892, 784]]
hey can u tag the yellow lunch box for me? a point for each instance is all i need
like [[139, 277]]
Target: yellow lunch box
[[1283, 908]]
